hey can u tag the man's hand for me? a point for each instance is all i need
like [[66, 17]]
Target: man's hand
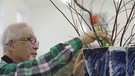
[[91, 37], [79, 65]]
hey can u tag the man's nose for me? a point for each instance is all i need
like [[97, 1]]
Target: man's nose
[[36, 46]]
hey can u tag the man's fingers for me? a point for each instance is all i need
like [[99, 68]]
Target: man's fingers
[[78, 69], [106, 37], [79, 57], [103, 35]]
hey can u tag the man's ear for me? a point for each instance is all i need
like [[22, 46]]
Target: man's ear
[[10, 44]]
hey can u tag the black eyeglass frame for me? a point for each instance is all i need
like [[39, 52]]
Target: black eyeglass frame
[[30, 39]]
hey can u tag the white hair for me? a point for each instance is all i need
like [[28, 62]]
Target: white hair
[[12, 32]]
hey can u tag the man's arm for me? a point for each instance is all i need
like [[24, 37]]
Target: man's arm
[[47, 64]]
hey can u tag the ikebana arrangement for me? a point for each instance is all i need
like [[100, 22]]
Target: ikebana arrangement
[[111, 59], [121, 25]]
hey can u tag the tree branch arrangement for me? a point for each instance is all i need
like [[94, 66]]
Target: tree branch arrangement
[[122, 33]]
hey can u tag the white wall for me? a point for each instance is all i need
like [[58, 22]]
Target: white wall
[[10, 8], [1, 26], [51, 27]]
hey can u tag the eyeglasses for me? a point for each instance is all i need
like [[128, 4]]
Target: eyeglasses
[[30, 39]]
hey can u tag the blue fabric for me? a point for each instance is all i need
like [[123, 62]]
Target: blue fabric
[[109, 61]]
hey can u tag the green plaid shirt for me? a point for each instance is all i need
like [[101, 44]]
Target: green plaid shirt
[[46, 65]]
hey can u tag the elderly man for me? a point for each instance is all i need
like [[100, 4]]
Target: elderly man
[[20, 45]]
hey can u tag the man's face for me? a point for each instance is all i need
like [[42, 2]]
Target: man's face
[[26, 47]]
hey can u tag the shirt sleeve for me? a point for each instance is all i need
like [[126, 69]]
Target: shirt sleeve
[[47, 64]]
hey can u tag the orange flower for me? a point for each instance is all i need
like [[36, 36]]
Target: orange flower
[[94, 19]]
